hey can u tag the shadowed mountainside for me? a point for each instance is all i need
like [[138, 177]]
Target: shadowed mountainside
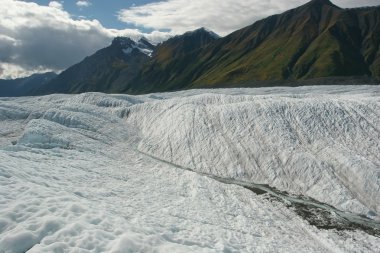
[[24, 86]]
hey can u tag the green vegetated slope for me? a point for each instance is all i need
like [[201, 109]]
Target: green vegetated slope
[[315, 40]]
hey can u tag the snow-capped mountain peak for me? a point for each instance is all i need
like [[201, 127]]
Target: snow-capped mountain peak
[[128, 45], [145, 46], [123, 42]]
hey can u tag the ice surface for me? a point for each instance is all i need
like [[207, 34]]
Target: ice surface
[[325, 146], [74, 176]]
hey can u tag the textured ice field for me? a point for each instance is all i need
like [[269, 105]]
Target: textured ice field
[[102, 173]]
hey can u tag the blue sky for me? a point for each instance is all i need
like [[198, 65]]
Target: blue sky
[[103, 10], [51, 35]]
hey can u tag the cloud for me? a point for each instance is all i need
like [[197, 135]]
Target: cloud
[[222, 17], [35, 38], [55, 4], [83, 3], [11, 71], [356, 3]]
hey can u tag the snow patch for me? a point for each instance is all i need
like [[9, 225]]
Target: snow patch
[[142, 46]]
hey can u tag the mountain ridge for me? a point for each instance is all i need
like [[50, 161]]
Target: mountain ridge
[[315, 40], [307, 42], [319, 16], [26, 85], [104, 70]]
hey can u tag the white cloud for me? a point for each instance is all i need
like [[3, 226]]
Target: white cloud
[[35, 38], [83, 3], [222, 17], [12, 71], [55, 4]]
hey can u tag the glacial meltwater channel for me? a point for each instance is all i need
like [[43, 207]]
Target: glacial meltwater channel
[[316, 213]]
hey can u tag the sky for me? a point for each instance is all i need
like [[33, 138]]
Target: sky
[[41, 35]]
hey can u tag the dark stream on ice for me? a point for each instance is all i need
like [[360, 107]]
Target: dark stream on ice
[[316, 213]]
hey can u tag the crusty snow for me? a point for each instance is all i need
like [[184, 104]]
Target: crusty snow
[[120, 173]]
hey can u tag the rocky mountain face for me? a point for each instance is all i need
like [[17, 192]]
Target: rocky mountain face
[[315, 40]]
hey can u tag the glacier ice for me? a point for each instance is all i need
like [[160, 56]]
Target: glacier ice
[[102, 173], [324, 146]]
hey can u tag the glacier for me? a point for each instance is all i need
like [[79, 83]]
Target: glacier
[[176, 172]]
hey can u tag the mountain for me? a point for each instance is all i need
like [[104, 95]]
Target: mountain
[[24, 86], [107, 70], [119, 67], [169, 66], [316, 40]]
